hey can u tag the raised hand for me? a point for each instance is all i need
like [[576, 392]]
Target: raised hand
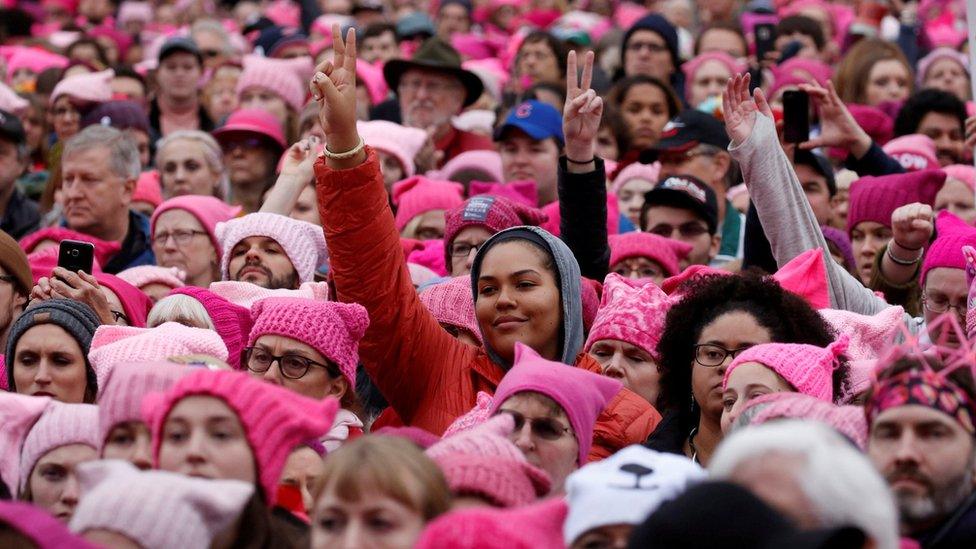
[[582, 112], [740, 108], [299, 159], [912, 226], [837, 126], [334, 87]]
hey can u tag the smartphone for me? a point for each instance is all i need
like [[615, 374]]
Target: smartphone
[[74, 255], [796, 116], [765, 40]]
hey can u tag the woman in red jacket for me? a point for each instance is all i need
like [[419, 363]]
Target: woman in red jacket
[[526, 282]]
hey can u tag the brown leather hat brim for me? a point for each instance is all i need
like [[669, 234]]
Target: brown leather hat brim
[[473, 87]]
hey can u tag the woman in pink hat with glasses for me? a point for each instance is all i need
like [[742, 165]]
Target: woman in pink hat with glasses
[[184, 236]]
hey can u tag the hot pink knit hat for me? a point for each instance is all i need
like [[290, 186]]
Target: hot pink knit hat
[[581, 394], [401, 142], [945, 251], [632, 312], [666, 252], [121, 395], [483, 462], [969, 254], [522, 192], [60, 425], [253, 122], [874, 121], [36, 60], [246, 294], [806, 276], [494, 213], [208, 210], [275, 419], [537, 526], [331, 328], [372, 77], [279, 76], [158, 508], [848, 420], [148, 189], [962, 172], [135, 304], [914, 152], [18, 413], [489, 162], [104, 249], [473, 417], [95, 87], [231, 322], [303, 242], [690, 67], [145, 275], [870, 335], [431, 255], [807, 368], [636, 170], [875, 198], [452, 303], [36, 524], [417, 195]]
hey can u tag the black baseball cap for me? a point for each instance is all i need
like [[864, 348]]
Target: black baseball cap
[[687, 130], [817, 163], [179, 44], [11, 129], [688, 193]]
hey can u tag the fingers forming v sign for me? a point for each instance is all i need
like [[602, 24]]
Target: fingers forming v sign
[[334, 87], [583, 110]]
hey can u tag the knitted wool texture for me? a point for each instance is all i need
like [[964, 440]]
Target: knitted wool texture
[[246, 294], [208, 210], [665, 252], [452, 303], [537, 526], [124, 388], [875, 198], [969, 254], [945, 251], [231, 322], [473, 417], [60, 425], [631, 312], [417, 195], [145, 275], [808, 368], [870, 335], [303, 242], [280, 76], [848, 420], [18, 413], [495, 213]]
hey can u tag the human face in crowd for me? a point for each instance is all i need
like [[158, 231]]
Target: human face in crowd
[[647, 53], [429, 99], [948, 75], [248, 162], [630, 198], [129, 88], [606, 144], [49, 362], [180, 241], [709, 165], [202, 437], [452, 19], [518, 300], [262, 261], [685, 226], [709, 81], [12, 165], [774, 479], [306, 208], [130, 441], [302, 472], [818, 194], [178, 76], [840, 203], [391, 168], [35, 128], [527, 159], [96, 199], [722, 40], [374, 520], [426, 226], [613, 536], [53, 484], [213, 48], [947, 132], [945, 292], [956, 197], [467, 239], [630, 364], [868, 238], [640, 268], [265, 100], [645, 111], [115, 305], [221, 92], [11, 304], [747, 382], [888, 80], [928, 460], [183, 169], [317, 383], [141, 139], [380, 49], [556, 453], [537, 61], [65, 118]]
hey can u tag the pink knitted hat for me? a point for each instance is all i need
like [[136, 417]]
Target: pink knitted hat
[[489, 162], [253, 122], [473, 417], [875, 198], [962, 172], [494, 213], [914, 152], [637, 170], [581, 394], [372, 77], [804, 69], [537, 526], [690, 67], [208, 210], [231, 322], [275, 419], [135, 304], [870, 335], [666, 252], [807, 368], [452, 303], [303, 242], [848, 420], [18, 413], [279, 76], [417, 195], [945, 251], [60, 425], [483, 462], [104, 249], [121, 396], [145, 275], [939, 53], [523, 192], [331, 328], [148, 189], [874, 121], [860, 375], [36, 60], [36, 524], [158, 508], [969, 254], [806, 276], [431, 255], [632, 312], [401, 142], [246, 294], [95, 87]]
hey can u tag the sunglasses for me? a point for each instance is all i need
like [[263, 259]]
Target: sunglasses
[[542, 427]]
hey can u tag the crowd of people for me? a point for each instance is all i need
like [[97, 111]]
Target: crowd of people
[[487, 274]]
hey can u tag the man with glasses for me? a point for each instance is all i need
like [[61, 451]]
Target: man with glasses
[[15, 284], [684, 208], [650, 48], [177, 105]]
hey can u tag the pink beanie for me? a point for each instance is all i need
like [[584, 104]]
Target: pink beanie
[[495, 213], [925, 63], [537, 526], [135, 304], [875, 198], [483, 462], [665, 252], [951, 234], [860, 375], [275, 419], [418, 195], [473, 417], [962, 172], [523, 192], [969, 253], [36, 60], [331, 328], [870, 335], [279, 76], [231, 322], [18, 413], [148, 189], [11, 102], [208, 210], [246, 294], [581, 394], [487, 162], [874, 121], [914, 152], [808, 368], [632, 312], [158, 508], [806, 276], [690, 67], [121, 396], [430, 255], [401, 142], [372, 78], [805, 69], [636, 170], [104, 249], [303, 242], [60, 425], [847, 420], [36, 524], [95, 87], [145, 275], [452, 303]]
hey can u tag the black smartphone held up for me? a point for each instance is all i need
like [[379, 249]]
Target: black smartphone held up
[[765, 40], [74, 255], [796, 116]]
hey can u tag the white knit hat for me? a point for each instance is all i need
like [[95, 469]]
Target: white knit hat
[[303, 242]]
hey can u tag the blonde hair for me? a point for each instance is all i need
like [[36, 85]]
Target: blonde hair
[[179, 308]]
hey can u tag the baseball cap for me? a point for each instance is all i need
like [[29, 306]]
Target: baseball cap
[[537, 119], [685, 131], [818, 164], [180, 44], [689, 193], [11, 128]]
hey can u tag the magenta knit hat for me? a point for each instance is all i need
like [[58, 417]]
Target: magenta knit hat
[[969, 254], [632, 312], [255, 122], [874, 121], [945, 251], [430, 255], [18, 413], [331, 328], [636, 170], [537, 526], [303, 242], [208, 210], [95, 87], [914, 152], [483, 462], [246, 294], [39, 526], [283, 77], [145, 275], [36, 60], [870, 335], [875, 198], [148, 189], [275, 419], [452, 303], [121, 396], [962, 172], [581, 394], [60, 425], [231, 322], [488, 162], [523, 192], [135, 303], [417, 195], [939, 53], [494, 213], [401, 142], [104, 249], [666, 252], [808, 368], [158, 508], [847, 420]]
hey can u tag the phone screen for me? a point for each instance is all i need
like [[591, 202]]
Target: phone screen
[[796, 116]]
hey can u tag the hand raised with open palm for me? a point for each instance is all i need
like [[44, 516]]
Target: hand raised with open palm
[[740, 108], [583, 110], [334, 87]]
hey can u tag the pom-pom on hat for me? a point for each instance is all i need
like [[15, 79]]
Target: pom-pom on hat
[[303, 242], [60, 425], [808, 368], [417, 195], [452, 303], [945, 251], [232, 322], [121, 397], [208, 210], [537, 526], [665, 252], [632, 312], [875, 198]]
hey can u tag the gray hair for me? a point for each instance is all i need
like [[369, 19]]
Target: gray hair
[[123, 153], [179, 308], [211, 153], [213, 27]]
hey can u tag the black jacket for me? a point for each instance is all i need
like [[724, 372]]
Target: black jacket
[[874, 162], [583, 218], [958, 531], [22, 216]]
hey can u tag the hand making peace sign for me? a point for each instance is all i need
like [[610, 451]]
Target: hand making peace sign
[[583, 110], [334, 87]]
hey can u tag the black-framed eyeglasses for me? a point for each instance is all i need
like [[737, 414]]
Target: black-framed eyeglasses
[[711, 355], [181, 236], [119, 315], [689, 229], [942, 305], [463, 249], [545, 428], [291, 366]]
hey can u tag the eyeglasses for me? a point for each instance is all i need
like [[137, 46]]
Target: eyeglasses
[[432, 86], [941, 305], [259, 361], [119, 315], [690, 229], [651, 47], [245, 143], [642, 271], [182, 237], [711, 355], [463, 249], [542, 427]]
